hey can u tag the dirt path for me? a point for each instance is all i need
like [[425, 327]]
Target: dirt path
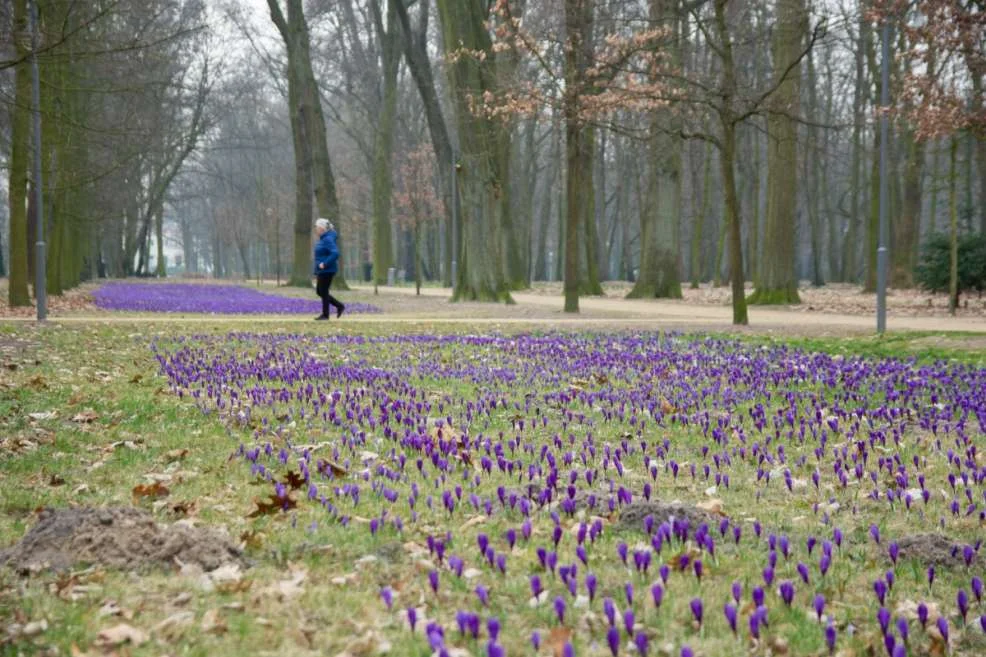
[[401, 306]]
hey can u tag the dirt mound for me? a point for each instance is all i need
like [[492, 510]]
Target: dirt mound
[[632, 516], [125, 538], [931, 550]]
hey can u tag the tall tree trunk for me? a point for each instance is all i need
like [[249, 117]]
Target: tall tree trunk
[[383, 145], [849, 263], [778, 282], [953, 223], [659, 249], [589, 284], [161, 270], [873, 220], [812, 164], [701, 218], [728, 120], [20, 145], [906, 222], [481, 273]]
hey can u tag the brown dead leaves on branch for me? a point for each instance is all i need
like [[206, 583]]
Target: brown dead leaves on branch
[[941, 91]]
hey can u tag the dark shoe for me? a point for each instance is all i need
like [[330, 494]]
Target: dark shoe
[[321, 317], [339, 311]]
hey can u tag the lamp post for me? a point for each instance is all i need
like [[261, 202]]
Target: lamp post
[[455, 218], [40, 265], [884, 237]]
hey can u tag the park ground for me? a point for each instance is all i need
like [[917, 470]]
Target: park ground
[[88, 421]]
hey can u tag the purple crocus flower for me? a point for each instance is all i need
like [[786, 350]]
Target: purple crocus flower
[[560, 608], [697, 566], [923, 614], [830, 636], [536, 586], [511, 536], [730, 611], [657, 594], [483, 594], [582, 554], [819, 605], [387, 594], [664, 571], [640, 640], [412, 617], [609, 609], [483, 541], [493, 627], [903, 628], [433, 580], [880, 589], [536, 640], [943, 628], [621, 549], [977, 588], [613, 639], [696, 606], [982, 623], [931, 576], [893, 550], [493, 649], [787, 591], [768, 575], [687, 652], [737, 590], [803, 572], [758, 596], [628, 619], [628, 590], [568, 650], [875, 534], [590, 586], [824, 563], [883, 617], [962, 601], [755, 626]]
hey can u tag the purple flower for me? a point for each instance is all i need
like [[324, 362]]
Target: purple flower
[[802, 572], [609, 609], [664, 571], [536, 640], [819, 605], [962, 601], [893, 550], [982, 623], [755, 626], [628, 619], [977, 588], [628, 590], [830, 636], [923, 614], [412, 617], [536, 586], [687, 652], [613, 639], [483, 541], [621, 549], [943, 628], [433, 580], [493, 627], [582, 555], [388, 596], [657, 594], [902, 628], [696, 606], [730, 612], [511, 537], [768, 575], [758, 596], [875, 534], [494, 650], [931, 576], [737, 590], [880, 589], [883, 617], [697, 566], [501, 563], [590, 586], [483, 594], [787, 591], [641, 641], [560, 608], [568, 650], [824, 563]]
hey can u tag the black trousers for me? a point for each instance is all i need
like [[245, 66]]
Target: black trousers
[[322, 288]]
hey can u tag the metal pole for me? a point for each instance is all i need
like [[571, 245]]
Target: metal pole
[[882, 248], [455, 217], [40, 264]]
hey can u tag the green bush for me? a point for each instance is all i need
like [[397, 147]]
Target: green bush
[[932, 271]]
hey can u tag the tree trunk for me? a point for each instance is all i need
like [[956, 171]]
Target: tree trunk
[[161, 271], [390, 38], [589, 284], [905, 224], [481, 273], [849, 263], [778, 283], [20, 145], [700, 219], [953, 222], [728, 164], [659, 249]]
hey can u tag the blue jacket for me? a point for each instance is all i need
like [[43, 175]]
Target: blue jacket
[[326, 253]]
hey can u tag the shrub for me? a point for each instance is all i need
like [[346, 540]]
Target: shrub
[[932, 270]]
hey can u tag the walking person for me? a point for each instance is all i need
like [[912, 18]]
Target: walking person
[[326, 266]]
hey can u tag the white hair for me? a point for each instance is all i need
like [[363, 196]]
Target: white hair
[[324, 223]]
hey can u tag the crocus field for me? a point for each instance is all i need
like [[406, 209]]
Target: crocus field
[[207, 298], [626, 493]]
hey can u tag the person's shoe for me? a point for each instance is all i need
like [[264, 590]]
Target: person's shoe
[[339, 311], [321, 317]]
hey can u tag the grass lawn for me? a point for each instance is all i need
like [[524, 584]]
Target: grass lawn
[[557, 482]]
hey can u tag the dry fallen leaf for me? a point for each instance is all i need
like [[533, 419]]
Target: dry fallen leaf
[[557, 639], [177, 454], [714, 505], [85, 417], [172, 627], [277, 503], [120, 634], [157, 489]]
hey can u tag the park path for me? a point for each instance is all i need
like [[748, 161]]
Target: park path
[[546, 309]]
